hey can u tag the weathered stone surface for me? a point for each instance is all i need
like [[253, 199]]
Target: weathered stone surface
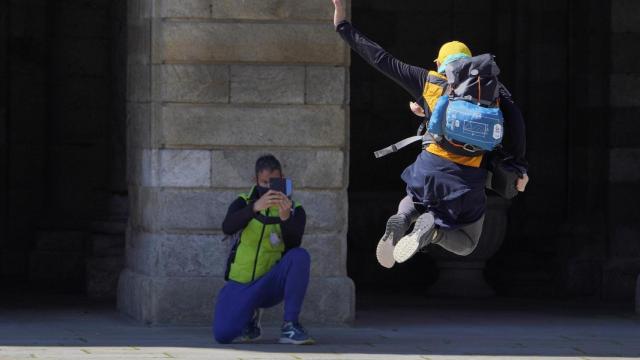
[[179, 210], [195, 9], [624, 165], [139, 82], [326, 85], [306, 168], [172, 209], [182, 42], [328, 254], [192, 83], [138, 125], [310, 125], [168, 300], [159, 254], [183, 168], [267, 84], [626, 14], [315, 10], [326, 210], [623, 90]]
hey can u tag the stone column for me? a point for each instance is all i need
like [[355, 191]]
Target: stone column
[[213, 85]]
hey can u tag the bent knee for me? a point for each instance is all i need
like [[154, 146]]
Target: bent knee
[[223, 337], [299, 255]]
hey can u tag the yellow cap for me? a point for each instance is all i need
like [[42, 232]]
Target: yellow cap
[[452, 48]]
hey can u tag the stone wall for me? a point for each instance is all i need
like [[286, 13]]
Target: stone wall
[[623, 253], [211, 86]]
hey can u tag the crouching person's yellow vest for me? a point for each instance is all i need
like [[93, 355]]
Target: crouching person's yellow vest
[[255, 254]]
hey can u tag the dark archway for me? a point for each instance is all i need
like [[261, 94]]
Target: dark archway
[[62, 144], [554, 58]]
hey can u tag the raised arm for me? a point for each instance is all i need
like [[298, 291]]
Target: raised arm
[[409, 77]]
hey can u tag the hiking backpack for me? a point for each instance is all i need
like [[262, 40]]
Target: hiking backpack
[[466, 120]]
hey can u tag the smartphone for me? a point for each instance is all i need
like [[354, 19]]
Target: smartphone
[[284, 185]]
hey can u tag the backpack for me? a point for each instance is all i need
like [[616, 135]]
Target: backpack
[[467, 120]]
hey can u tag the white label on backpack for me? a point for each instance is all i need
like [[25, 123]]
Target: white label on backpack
[[274, 239], [497, 131]]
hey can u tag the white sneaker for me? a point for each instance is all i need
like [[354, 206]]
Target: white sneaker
[[421, 236], [396, 227]]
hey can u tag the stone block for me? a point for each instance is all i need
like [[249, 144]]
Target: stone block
[[138, 125], [138, 41], [182, 42], [161, 254], [138, 82], [624, 16], [314, 10], [193, 255], [328, 254], [307, 168], [310, 125], [174, 209], [326, 210], [179, 210], [623, 91], [194, 9], [182, 168], [168, 300], [624, 165], [326, 85], [192, 83], [267, 84]]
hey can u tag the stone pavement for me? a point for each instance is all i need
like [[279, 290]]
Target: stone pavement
[[420, 329]]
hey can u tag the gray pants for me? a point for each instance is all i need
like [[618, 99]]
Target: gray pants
[[461, 241]]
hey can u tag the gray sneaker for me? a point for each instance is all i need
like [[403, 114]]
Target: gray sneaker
[[422, 235], [396, 227]]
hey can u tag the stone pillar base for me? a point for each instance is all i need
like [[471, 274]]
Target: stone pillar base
[[461, 279], [190, 300]]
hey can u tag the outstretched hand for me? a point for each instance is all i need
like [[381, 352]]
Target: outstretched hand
[[340, 13], [521, 184]]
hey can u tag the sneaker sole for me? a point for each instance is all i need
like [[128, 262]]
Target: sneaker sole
[[410, 244], [246, 340], [384, 250], [296, 342]]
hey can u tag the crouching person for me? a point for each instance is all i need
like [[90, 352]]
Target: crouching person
[[266, 265]]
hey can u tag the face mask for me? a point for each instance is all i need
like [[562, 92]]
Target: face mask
[[261, 190]]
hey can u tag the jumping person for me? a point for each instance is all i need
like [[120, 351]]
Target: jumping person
[[266, 265], [445, 187]]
